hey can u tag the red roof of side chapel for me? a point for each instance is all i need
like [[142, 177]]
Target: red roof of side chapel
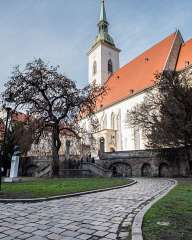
[[185, 55], [138, 74]]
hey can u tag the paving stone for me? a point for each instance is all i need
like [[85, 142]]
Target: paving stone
[[2, 229], [36, 238], [41, 233], [56, 230], [86, 231], [28, 229], [55, 236], [100, 233], [89, 217], [124, 235], [25, 236], [8, 238], [70, 234], [111, 236], [101, 228], [13, 233], [2, 235], [84, 237], [94, 238]]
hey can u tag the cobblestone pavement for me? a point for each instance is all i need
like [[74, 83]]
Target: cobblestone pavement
[[94, 216]]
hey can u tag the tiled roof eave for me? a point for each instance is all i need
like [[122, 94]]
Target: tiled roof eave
[[184, 68], [104, 43], [125, 98]]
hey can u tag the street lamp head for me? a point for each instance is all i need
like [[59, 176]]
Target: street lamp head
[[7, 108]]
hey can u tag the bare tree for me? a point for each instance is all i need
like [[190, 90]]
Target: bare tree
[[165, 116], [53, 99]]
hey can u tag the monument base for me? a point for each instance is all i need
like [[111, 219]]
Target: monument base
[[11, 180]]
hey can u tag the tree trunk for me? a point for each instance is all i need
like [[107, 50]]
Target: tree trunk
[[56, 144], [188, 159]]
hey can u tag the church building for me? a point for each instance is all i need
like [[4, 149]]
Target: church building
[[127, 85]]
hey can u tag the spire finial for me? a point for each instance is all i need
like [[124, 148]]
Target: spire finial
[[103, 16]]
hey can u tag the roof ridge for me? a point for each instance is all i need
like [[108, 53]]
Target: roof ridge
[[139, 73], [172, 57], [188, 40], [174, 33]]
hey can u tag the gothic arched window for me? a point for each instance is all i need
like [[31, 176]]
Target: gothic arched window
[[113, 121], [137, 138], [94, 67], [110, 67], [104, 122]]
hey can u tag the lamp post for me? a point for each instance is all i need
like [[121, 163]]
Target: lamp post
[[3, 156]]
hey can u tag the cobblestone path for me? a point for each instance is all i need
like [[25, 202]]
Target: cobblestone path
[[94, 216]]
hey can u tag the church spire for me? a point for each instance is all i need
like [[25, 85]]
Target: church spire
[[103, 54], [103, 12], [103, 35], [103, 24]]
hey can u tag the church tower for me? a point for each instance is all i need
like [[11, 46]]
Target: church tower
[[103, 56]]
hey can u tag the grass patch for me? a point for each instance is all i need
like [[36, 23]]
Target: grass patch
[[53, 187], [171, 217]]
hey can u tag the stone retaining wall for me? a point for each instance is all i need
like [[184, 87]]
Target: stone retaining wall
[[150, 163], [153, 163], [40, 166]]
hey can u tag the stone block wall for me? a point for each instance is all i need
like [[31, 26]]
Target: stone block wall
[[40, 166], [152, 162]]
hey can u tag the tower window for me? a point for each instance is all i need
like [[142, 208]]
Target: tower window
[[110, 67], [94, 68]]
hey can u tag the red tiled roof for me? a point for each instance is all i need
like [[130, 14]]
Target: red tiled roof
[[20, 117], [185, 55], [138, 74], [2, 126]]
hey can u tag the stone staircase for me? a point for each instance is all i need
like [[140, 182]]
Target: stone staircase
[[96, 169]]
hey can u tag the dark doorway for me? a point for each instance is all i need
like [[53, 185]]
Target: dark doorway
[[102, 144], [164, 170], [146, 170], [121, 169]]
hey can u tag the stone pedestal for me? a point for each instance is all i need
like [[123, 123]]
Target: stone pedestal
[[14, 167], [11, 180]]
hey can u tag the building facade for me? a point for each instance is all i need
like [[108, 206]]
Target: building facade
[[127, 85]]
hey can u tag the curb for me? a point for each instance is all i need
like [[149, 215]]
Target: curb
[[36, 200], [138, 220]]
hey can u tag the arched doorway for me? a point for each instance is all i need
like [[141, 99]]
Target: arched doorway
[[102, 144], [163, 170], [112, 149], [146, 170], [121, 169]]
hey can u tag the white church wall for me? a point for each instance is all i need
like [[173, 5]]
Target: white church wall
[[126, 133], [101, 54], [108, 53], [95, 56]]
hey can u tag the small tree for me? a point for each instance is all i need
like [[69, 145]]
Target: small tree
[[21, 134], [165, 116], [53, 99]]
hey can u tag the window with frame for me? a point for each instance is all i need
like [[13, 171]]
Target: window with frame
[[94, 67], [110, 67]]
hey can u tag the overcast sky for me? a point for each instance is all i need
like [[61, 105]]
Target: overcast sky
[[61, 31]]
